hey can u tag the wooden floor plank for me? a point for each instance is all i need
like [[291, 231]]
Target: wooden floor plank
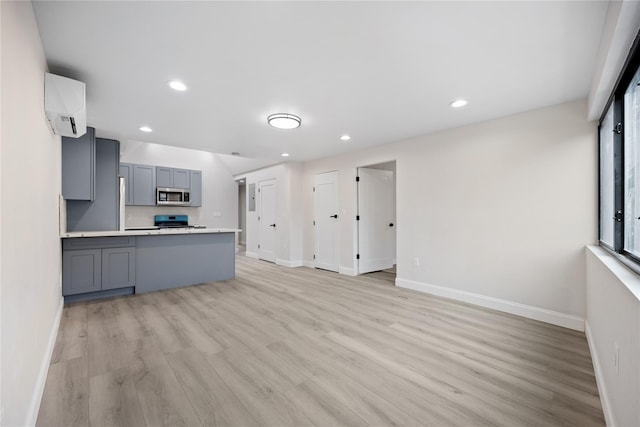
[[279, 346]]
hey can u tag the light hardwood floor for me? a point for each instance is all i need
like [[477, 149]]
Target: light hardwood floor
[[278, 346]]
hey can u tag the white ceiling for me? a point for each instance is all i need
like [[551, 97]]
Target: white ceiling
[[379, 71]]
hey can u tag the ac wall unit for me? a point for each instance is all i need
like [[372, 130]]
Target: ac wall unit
[[65, 105]]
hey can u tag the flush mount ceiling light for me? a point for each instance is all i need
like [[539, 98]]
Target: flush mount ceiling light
[[177, 85], [345, 137], [284, 121], [145, 129], [458, 103]]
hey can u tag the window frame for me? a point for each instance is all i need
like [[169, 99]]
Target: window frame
[[616, 100]]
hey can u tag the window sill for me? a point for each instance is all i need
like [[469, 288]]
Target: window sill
[[627, 272]]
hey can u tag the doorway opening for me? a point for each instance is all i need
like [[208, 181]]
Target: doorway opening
[[376, 219], [241, 237]]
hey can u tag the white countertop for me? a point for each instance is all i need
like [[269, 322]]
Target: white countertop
[[159, 232]]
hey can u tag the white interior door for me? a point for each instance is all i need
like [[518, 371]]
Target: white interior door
[[267, 220], [376, 227], [325, 187]]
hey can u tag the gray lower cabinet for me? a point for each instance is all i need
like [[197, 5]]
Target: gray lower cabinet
[[118, 268], [98, 264], [81, 271]]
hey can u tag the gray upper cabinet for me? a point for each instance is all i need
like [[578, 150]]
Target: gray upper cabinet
[[196, 188], [164, 176], [172, 177], [144, 185], [79, 166], [181, 178], [126, 171], [101, 214]]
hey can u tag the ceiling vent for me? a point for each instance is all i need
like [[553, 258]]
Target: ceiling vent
[[65, 105]]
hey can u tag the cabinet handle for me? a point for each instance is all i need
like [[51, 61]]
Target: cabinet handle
[[334, 216]]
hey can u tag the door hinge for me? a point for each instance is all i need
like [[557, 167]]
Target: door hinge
[[357, 217], [258, 218], [258, 246], [357, 256], [314, 223], [357, 179], [314, 189], [618, 128], [314, 257]]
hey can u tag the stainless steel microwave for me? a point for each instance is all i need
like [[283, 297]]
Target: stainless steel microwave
[[172, 197]]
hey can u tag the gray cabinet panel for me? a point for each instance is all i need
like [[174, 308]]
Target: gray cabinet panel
[[181, 178], [169, 261], [98, 242], [144, 185], [164, 176], [101, 214], [126, 171], [81, 271], [196, 188], [118, 268], [78, 166]]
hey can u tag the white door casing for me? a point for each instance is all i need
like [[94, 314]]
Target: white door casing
[[267, 221], [326, 222], [376, 226]]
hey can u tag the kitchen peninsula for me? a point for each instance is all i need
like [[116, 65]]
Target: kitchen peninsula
[[108, 263]]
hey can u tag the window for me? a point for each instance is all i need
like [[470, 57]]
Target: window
[[619, 147], [632, 166]]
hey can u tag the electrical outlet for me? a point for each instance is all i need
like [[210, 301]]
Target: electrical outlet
[[616, 358]]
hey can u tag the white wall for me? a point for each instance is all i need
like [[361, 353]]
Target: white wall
[[497, 213], [31, 298], [219, 189], [613, 317]]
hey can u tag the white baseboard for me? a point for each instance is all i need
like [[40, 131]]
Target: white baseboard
[[602, 387], [251, 255], [346, 271], [528, 311], [287, 263], [309, 264], [38, 391]]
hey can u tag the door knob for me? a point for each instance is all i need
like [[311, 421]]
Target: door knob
[[390, 224], [272, 225], [334, 216]]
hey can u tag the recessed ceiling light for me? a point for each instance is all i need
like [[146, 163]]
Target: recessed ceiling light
[[458, 103], [345, 137], [284, 121], [285, 154], [177, 85], [145, 129], [242, 180]]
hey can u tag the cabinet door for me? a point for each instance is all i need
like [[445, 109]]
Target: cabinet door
[[164, 176], [118, 268], [126, 171], [144, 185], [81, 271], [79, 166], [196, 188], [181, 178]]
